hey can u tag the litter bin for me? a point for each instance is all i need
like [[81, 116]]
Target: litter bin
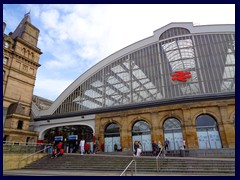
[[182, 153]]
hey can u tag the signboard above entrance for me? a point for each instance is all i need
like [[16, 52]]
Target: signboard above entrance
[[58, 138], [73, 137]]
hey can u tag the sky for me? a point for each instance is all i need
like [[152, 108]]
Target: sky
[[74, 37]]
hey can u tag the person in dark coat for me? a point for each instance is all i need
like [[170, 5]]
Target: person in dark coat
[[135, 146]]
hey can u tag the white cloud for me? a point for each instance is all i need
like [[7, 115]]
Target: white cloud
[[50, 88]]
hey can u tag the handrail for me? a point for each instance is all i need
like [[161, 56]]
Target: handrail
[[30, 155], [16, 143], [163, 155], [129, 166], [159, 153]]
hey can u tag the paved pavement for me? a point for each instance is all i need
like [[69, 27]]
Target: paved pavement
[[23, 172]]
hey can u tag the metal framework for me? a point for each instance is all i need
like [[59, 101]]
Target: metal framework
[[145, 74]]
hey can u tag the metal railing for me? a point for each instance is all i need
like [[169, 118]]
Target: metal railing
[[160, 154], [23, 147], [125, 170], [32, 156]]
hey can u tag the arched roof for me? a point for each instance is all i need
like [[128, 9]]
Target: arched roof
[[121, 53]]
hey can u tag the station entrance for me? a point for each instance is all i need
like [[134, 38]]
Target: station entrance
[[70, 136]]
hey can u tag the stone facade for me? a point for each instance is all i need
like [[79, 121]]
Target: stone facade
[[221, 110], [20, 64]]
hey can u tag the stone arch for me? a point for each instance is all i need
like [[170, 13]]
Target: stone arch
[[112, 136], [28, 53], [32, 55], [105, 124], [170, 115], [134, 120], [24, 51], [173, 132], [144, 136], [200, 112], [207, 132], [43, 130]]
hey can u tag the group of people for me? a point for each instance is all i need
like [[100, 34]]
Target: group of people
[[157, 148], [137, 148], [58, 150], [84, 148]]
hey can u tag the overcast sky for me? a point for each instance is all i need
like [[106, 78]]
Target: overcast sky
[[73, 38]]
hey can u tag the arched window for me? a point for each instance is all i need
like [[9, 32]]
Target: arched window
[[141, 132], [24, 51], [207, 133], [32, 55], [112, 137], [176, 31], [28, 53], [20, 124], [173, 132]]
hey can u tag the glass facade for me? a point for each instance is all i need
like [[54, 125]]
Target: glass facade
[[173, 132], [141, 132], [112, 137], [207, 133], [178, 65]]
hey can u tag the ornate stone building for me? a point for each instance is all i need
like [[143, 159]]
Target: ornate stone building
[[20, 64]]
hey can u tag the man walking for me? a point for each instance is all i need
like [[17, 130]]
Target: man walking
[[81, 146]]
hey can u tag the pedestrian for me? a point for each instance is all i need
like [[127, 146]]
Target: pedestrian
[[135, 146], [155, 148], [61, 152], [81, 146], [166, 144], [59, 146], [161, 149], [54, 153], [139, 149], [71, 147], [184, 144], [86, 146], [115, 147], [102, 147], [94, 148]]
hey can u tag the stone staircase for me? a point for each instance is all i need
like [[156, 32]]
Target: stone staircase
[[144, 164]]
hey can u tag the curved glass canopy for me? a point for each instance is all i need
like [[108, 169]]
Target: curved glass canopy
[[180, 65]]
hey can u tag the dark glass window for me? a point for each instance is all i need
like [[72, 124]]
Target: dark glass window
[[112, 128], [141, 126], [171, 123], [20, 124], [205, 120], [174, 32]]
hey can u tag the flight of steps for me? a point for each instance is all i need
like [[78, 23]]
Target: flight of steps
[[144, 164]]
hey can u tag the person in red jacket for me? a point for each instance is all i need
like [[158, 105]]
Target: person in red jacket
[[86, 148], [59, 146], [61, 152], [54, 153]]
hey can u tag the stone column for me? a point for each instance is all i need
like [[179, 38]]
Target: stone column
[[226, 128], [156, 133], [189, 130], [97, 127], [124, 135]]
